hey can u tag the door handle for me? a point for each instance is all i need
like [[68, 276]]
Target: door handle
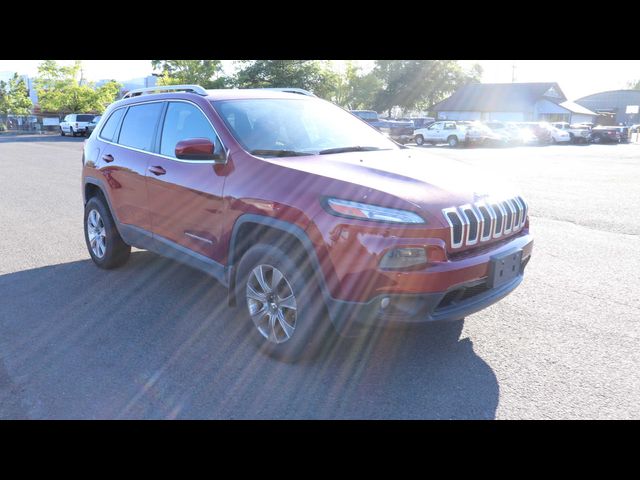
[[108, 158], [157, 170]]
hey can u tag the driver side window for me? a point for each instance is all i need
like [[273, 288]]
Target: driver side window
[[436, 126], [183, 121]]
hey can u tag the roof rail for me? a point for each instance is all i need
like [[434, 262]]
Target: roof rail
[[166, 89], [291, 90]]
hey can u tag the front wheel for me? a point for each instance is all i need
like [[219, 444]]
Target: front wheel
[[282, 302], [452, 141], [419, 140], [62, 132], [105, 245]]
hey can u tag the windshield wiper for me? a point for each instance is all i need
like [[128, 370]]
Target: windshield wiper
[[355, 148], [279, 153]]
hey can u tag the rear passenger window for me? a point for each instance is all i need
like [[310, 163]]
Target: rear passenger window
[[139, 125], [109, 129], [182, 121]]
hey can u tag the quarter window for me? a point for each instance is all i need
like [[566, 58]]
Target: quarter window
[[139, 125], [109, 129], [183, 121]]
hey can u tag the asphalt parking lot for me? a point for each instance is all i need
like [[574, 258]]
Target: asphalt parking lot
[[155, 340]]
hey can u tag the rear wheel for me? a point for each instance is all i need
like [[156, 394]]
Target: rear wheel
[[597, 139], [105, 245], [282, 303], [452, 141], [419, 140]]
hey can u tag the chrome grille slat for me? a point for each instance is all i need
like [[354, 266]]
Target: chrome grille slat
[[482, 221], [464, 209], [508, 222], [516, 214], [500, 217]]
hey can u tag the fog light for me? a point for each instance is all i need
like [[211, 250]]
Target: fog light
[[384, 303], [403, 258]]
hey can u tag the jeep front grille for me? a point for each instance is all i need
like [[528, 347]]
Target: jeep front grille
[[485, 220]]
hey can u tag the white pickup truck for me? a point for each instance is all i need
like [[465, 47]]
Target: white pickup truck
[[75, 124], [577, 133]]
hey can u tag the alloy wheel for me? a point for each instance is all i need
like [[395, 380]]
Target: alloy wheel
[[96, 233], [272, 304]]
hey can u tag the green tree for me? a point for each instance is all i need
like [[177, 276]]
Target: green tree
[[633, 85], [411, 84], [18, 101], [60, 91], [206, 73], [313, 75], [4, 103], [356, 91]]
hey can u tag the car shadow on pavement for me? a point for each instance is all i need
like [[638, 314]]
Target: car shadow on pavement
[[155, 339]]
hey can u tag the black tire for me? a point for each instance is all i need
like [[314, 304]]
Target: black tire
[[597, 139], [62, 132], [116, 251], [453, 141], [72, 132], [419, 140], [312, 328]]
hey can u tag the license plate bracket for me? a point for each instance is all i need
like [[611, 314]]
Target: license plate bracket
[[504, 268]]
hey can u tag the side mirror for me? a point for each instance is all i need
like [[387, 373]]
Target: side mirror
[[198, 149]]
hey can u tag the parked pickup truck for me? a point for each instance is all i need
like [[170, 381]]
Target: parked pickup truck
[[401, 132], [578, 133], [75, 124]]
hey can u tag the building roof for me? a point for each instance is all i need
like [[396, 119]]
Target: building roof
[[611, 100], [575, 108], [500, 97]]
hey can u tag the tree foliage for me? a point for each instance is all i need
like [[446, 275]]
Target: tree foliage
[[420, 84], [356, 91], [313, 75], [14, 97], [633, 85], [207, 73], [59, 90]]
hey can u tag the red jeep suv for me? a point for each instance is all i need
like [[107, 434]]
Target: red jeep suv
[[302, 210]]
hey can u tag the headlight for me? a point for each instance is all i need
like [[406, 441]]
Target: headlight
[[347, 208]]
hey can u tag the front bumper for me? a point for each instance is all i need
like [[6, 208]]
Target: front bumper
[[454, 303]]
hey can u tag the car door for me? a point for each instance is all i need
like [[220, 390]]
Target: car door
[[66, 124], [125, 160], [449, 129], [433, 132], [185, 195]]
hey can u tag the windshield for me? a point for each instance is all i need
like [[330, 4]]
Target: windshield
[[288, 127]]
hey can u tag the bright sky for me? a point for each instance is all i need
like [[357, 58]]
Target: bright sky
[[577, 78]]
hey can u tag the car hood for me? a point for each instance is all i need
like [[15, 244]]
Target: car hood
[[424, 180]]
